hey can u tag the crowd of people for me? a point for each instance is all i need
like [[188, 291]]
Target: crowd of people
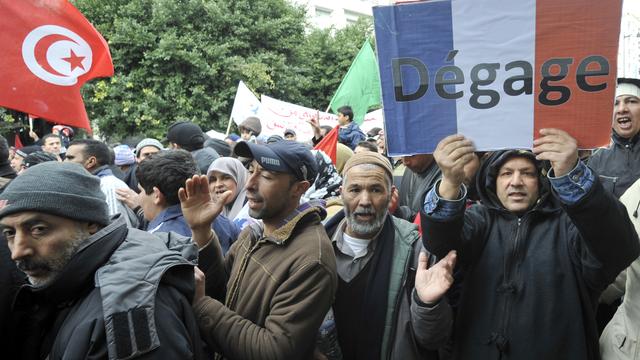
[[257, 247]]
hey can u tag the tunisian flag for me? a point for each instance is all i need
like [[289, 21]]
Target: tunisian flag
[[329, 144], [49, 50]]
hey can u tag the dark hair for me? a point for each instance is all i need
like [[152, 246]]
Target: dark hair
[[50, 135], [368, 145], [95, 148], [4, 150], [373, 132], [167, 170], [346, 111], [326, 128]]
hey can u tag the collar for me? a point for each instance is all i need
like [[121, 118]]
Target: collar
[[622, 141], [78, 275], [338, 240], [103, 171], [169, 213], [288, 225]]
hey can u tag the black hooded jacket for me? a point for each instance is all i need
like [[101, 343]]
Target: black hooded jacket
[[531, 283]]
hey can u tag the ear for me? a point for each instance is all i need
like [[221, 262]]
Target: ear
[[93, 228], [90, 163], [158, 197], [300, 187]]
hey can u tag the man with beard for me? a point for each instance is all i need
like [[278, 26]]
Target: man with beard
[[377, 256], [97, 289], [281, 277]]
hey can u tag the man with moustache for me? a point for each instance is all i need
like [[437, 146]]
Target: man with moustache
[[379, 260], [97, 288], [281, 275]]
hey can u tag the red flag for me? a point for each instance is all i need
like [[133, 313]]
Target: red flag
[[17, 143], [329, 144], [49, 50]]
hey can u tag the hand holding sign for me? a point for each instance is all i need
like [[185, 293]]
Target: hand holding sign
[[560, 148], [451, 155]]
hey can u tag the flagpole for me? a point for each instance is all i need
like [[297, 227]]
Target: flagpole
[[228, 127]]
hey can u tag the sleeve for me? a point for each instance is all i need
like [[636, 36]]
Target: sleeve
[[573, 186], [297, 310], [447, 225], [211, 263], [604, 239], [431, 325]]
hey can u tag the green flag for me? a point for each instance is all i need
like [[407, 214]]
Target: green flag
[[360, 88]]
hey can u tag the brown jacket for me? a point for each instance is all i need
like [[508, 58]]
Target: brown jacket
[[279, 290]]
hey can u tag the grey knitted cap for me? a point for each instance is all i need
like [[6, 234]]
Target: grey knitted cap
[[61, 189]]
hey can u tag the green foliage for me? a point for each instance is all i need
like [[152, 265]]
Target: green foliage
[[182, 60]]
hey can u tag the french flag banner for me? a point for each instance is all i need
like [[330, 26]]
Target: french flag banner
[[496, 71]]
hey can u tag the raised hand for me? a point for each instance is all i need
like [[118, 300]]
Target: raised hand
[[451, 155], [433, 282], [198, 209], [558, 147]]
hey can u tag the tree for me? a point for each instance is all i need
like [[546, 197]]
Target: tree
[[182, 60]]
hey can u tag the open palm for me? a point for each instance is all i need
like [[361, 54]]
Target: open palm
[[198, 208]]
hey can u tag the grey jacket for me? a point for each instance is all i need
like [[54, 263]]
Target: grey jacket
[[618, 166], [124, 295], [411, 331]]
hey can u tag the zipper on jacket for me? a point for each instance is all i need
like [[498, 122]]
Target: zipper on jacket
[[507, 290]]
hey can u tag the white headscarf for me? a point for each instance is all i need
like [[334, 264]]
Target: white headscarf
[[232, 167]]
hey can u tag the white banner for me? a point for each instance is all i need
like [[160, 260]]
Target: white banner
[[245, 104], [276, 116], [373, 119]]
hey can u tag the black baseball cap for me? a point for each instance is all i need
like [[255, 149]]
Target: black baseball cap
[[185, 133], [282, 156]]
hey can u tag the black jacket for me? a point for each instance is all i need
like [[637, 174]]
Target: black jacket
[[123, 295], [531, 284], [618, 166]]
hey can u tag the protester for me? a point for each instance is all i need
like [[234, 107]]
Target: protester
[[143, 149], [160, 177], [188, 136], [147, 147], [65, 133], [228, 174], [377, 255], [535, 255], [365, 146], [420, 174], [52, 143], [620, 337], [94, 156], [281, 278], [7, 172], [619, 165], [220, 146], [124, 158], [94, 283], [250, 129], [20, 154], [36, 158], [349, 133], [328, 181], [290, 134]]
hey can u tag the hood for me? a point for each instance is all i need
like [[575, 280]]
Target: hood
[[487, 176]]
